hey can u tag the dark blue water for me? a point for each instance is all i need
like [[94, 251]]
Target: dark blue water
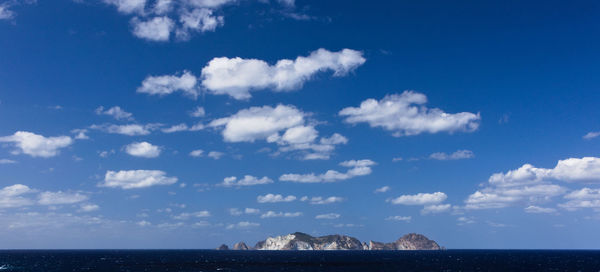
[[265, 261]]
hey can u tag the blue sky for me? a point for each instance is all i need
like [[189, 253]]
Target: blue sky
[[191, 123]]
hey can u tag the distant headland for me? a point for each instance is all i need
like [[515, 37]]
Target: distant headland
[[303, 241]]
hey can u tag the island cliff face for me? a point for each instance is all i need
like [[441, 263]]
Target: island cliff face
[[303, 241]]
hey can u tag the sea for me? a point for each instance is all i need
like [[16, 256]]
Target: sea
[[266, 261]]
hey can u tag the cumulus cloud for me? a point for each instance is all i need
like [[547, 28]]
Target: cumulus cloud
[[529, 184], [357, 168], [143, 149], [272, 214], [236, 211], [583, 198], [319, 200], [164, 85], [457, 155], [37, 145], [128, 6], [186, 216], [60, 198], [272, 198], [5, 12], [420, 199], [382, 189], [129, 130], [247, 180], [329, 216], [157, 29], [197, 20], [80, 134], [236, 77], [537, 209], [198, 112], [13, 196], [591, 135], [283, 125], [7, 161], [157, 20], [406, 114], [215, 155], [134, 179], [399, 218], [258, 123], [88, 208], [243, 225], [197, 153], [435, 208], [115, 112]]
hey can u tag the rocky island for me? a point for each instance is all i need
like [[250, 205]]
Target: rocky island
[[303, 241]]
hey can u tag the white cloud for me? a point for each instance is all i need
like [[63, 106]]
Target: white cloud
[[197, 153], [319, 200], [157, 29], [198, 20], [198, 112], [12, 196], [88, 208], [186, 216], [251, 211], [143, 149], [143, 223], [128, 6], [5, 12], [60, 198], [399, 218], [536, 209], [246, 181], [328, 216], [272, 198], [436, 208], [80, 134], [215, 155], [463, 220], [164, 85], [420, 199], [237, 212], [175, 128], [37, 145], [382, 189], [406, 114], [134, 179], [258, 123], [7, 161], [530, 184], [457, 155], [591, 135], [115, 112], [129, 130], [583, 198], [236, 77], [358, 168], [243, 225], [272, 214], [266, 123]]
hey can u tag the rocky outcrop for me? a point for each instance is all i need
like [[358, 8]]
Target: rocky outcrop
[[303, 241], [411, 241], [223, 247], [241, 246]]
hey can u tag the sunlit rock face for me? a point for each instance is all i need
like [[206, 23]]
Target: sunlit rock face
[[411, 241], [241, 246], [303, 241]]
